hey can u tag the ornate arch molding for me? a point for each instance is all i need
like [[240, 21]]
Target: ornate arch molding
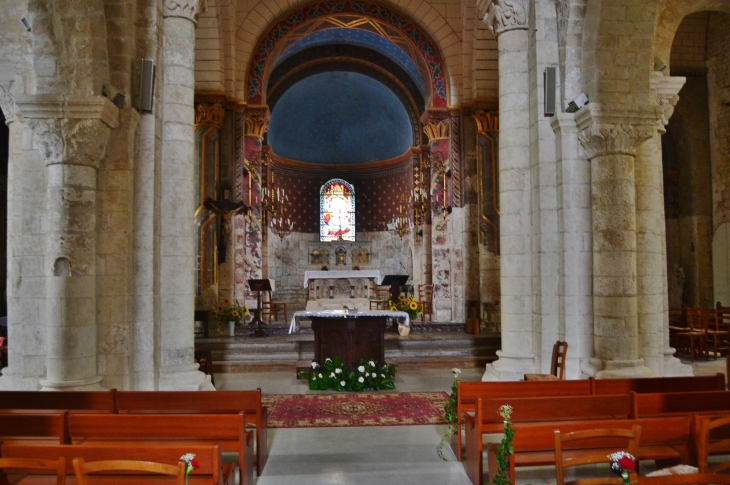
[[348, 14], [670, 17]]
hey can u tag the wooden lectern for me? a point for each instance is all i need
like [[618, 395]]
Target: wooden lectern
[[396, 282], [258, 286]]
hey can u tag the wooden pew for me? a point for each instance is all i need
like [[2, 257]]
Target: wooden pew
[[679, 403], [212, 470], [662, 439], [227, 429], [87, 401], [646, 385], [223, 402], [468, 392], [35, 427]]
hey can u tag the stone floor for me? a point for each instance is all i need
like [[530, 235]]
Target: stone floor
[[374, 455]]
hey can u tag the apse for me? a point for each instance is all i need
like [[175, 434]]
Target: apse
[[339, 117]]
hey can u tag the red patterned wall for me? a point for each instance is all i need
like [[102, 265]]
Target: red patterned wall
[[378, 187]]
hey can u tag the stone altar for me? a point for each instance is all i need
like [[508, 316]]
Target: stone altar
[[333, 290]]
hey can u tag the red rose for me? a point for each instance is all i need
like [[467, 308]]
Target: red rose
[[194, 464], [627, 463]]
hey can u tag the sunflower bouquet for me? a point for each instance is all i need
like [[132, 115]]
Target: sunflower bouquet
[[228, 311], [406, 303]]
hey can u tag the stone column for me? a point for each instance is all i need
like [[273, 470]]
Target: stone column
[[508, 21], [71, 134], [575, 233], [611, 140], [250, 244], [651, 240], [437, 131], [178, 369]]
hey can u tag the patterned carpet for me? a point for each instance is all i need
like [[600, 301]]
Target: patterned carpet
[[355, 409]]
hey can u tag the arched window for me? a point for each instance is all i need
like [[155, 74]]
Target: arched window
[[337, 211]]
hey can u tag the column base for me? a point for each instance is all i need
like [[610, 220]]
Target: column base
[[93, 384], [509, 368], [674, 367], [615, 369], [12, 382], [184, 378]]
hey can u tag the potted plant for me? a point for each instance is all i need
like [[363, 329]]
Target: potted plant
[[231, 312]]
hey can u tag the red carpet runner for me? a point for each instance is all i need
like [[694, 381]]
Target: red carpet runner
[[355, 409]]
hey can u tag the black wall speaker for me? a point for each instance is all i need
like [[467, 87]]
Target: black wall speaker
[[550, 90], [147, 85]]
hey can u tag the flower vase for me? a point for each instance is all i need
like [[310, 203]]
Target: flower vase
[[231, 329]]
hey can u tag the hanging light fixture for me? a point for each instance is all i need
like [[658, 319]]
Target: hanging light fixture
[[401, 224]]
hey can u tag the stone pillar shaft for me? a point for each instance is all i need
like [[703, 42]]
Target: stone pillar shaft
[[575, 232], [71, 134], [71, 286], [651, 241], [177, 201], [610, 139], [516, 356]]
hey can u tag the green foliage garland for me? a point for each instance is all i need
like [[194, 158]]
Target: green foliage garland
[[333, 375], [505, 448], [450, 413]]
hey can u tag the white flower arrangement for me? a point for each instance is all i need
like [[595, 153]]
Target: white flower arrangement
[[332, 374]]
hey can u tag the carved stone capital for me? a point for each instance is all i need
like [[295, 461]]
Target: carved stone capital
[[7, 102], [73, 130], [667, 95], [185, 9], [210, 115], [503, 15], [619, 132], [257, 121], [486, 121], [437, 130]]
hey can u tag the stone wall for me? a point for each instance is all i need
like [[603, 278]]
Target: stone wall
[[289, 258]]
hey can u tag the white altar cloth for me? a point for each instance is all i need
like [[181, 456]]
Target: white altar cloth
[[294, 325], [328, 275]]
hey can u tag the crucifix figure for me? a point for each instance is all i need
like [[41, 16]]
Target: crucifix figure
[[225, 209]]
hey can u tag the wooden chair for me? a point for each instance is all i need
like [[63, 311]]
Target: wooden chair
[[602, 438], [718, 329], [714, 439], [689, 479], [273, 308], [425, 298], [382, 294], [557, 365], [202, 316], [83, 470], [204, 358], [32, 464], [695, 335], [677, 323]]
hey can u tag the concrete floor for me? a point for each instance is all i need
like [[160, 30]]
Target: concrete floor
[[375, 455]]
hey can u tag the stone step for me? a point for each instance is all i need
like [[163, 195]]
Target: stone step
[[434, 348]]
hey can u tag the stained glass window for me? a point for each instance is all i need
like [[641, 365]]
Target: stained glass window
[[337, 211]]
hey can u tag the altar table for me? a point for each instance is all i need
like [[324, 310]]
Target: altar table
[[354, 274], [294, 325]]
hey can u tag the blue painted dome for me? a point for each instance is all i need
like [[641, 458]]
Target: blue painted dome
[[339, 117]]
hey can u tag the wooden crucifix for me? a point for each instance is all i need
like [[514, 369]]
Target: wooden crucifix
[[225, 209]]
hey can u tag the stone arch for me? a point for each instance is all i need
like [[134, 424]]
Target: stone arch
[[260, 18], [570, 17], [617, 60], [209, 51], [671, 17]]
